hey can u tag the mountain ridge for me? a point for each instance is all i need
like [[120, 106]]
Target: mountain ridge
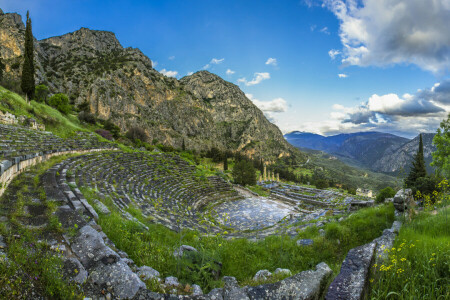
[[202, 110], [381, 152]]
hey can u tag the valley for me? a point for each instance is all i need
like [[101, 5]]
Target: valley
[[119, 181]]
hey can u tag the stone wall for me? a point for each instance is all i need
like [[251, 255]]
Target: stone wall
[[9, 169]]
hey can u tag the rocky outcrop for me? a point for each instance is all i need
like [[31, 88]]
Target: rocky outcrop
[[305, 285], [403, 199], [120, 84], [351, 281]]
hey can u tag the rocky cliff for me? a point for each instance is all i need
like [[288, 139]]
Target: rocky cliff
[[120, 84], [399, 159]]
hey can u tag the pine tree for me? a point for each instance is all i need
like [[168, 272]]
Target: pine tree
[[183, 146], [418, 169], [28, 84]]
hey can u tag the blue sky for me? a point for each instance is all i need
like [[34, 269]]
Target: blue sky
[[278, 52]]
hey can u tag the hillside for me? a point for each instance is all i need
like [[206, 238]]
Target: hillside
[[377, 151], [399, 159], [120, 84]]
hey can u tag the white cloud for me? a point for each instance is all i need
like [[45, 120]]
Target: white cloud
[[171, 57], [384, 32], [154, 63], [230, 72], [190, 73], [214, 61], [257, 78], [169, 73], [313, 27], [271, 61], [217, 61], [406, 115], [325, 30], [275, 105], [333, 53], [342, 75]]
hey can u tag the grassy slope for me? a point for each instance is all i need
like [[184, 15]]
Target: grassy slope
[[358, 176], [54, 121]]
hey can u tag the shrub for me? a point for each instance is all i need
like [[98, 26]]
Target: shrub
[[137, 133], [113, 128], [244, 173], [426, 185], [41, 93], [387, 192], [86, 117], [321, 183], [60, 101], [105, 134]]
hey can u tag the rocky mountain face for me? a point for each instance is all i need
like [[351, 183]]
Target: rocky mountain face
[[380, 152], [120, 84], [399, 159]]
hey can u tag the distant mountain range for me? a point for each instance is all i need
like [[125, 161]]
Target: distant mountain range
[[380, 152]]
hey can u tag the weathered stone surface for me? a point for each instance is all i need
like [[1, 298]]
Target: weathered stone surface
[[283, 271], [305, 285], [231, 289], [119, 277], [171, 281], [146, 273], [196, 290], [305, 242], [384, 242], [216, 294], [396, 226], [351, 281], [183, 248], [73, 270], [91, 249], [262, 275], [102, 208], [403, 199], [2, 243]]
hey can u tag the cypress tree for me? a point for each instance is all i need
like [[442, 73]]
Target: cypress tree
[[225, 162], [418, 169], [2, 68], [28, 84], [183, 146]]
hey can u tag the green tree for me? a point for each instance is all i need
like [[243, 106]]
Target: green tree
[[441, 157], [387, 192], [113, 128], [41, 93], [2, 69], [225, 162], [418, 169], [60, 102], [183, 146], [27, 83], [244, 173]]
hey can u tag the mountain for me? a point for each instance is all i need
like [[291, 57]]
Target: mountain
[[399, 159], [380, 152], [120, 84]]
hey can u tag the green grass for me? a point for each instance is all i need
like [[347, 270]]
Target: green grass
[[240, 258], [419, 263], [31, 265]]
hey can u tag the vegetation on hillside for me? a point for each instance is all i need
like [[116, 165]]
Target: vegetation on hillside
[[418, 266], [28, 71]]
